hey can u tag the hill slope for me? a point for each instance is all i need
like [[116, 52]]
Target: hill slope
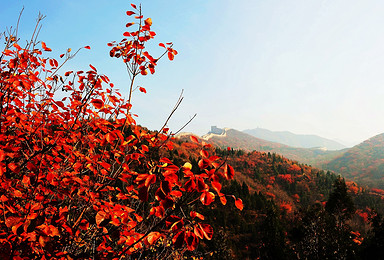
[[363, 163], [295, 140], [285, 208]]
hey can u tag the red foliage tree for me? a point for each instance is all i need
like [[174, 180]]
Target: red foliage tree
[[79, 179]]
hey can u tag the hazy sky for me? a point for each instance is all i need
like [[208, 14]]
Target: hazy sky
[[308, 66]]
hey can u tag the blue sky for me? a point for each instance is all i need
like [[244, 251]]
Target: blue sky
[[305, 66]]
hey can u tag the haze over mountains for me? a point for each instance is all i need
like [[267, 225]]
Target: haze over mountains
[[239, 140], [295, 140]]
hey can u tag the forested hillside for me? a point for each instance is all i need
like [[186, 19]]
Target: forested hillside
[[363, 163], [291, 210]]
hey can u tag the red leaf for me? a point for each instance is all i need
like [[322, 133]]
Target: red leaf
[[190, 185], [229, 172], [194, 139], [101, 216], [204, 153], [204, 163], [150, 180], [12, 221], [207, 198], [207, 230], [216, 185], [191, 240], [45, 47], [130, 13], [110, 137], [97, 103], [134, 6], [170, 56], [87, 47], [14, 167], [126, 34], [194, 214], [239, 204], [129, 24], [162, 45], [223, 199], [93, 68]]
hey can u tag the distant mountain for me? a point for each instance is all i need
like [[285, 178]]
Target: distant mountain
[[363, 163], [295, 140], [239, 140]]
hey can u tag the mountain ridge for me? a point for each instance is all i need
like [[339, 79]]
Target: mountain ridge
[[295, 140]]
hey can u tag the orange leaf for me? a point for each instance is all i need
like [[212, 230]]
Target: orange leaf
[[194, 214], [153, 237], [148, 21], [239, 204], [223, 199]]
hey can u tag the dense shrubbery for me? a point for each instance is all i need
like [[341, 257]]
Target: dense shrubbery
[[79, 179]]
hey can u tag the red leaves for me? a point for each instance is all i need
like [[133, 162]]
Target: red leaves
[[86, 152]]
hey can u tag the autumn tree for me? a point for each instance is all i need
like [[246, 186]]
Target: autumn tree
[[79, 178]]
